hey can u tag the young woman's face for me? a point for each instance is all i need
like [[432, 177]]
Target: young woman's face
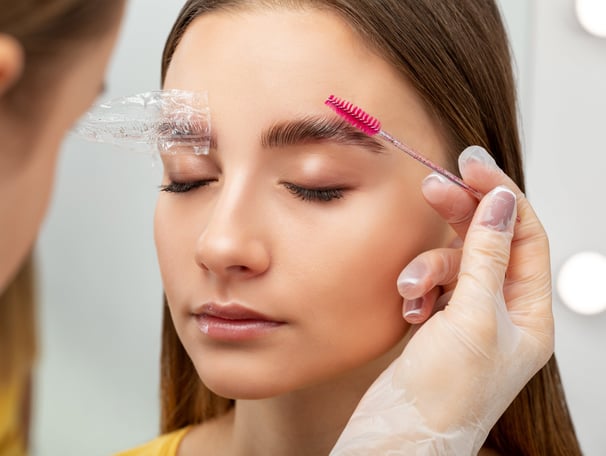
[[280, 250]]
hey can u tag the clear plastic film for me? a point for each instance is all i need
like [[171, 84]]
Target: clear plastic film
[[388, 422], [167, 122]]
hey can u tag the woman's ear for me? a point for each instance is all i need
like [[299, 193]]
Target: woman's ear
[[12, 60]]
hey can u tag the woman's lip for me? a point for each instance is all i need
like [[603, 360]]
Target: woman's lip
[[226, 330], [231, 312], [233, 322]]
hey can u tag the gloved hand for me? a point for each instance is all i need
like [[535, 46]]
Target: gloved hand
[[492, 331]]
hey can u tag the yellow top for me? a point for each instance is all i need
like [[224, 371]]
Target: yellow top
[[165, 445], [11, 441]]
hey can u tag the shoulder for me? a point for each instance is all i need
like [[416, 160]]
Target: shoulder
[[165, 445]]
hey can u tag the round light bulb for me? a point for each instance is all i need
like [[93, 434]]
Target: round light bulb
[[580, 283], [592, 16]]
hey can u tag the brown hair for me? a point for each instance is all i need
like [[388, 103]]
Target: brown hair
[[457, 56], [50, 31]]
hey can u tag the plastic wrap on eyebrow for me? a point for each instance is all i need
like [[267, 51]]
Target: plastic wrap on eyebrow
[[168, 121]]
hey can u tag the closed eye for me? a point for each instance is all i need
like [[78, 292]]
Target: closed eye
[[315, 194], [182, 187]]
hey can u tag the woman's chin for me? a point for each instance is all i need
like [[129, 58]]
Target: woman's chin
[[244, 388]]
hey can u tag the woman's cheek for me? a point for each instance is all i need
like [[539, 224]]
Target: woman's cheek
[[170, 236]]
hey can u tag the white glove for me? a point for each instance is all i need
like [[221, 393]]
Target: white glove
[[492, 332]]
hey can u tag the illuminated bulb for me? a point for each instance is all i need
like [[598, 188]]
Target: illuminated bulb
[[580, 283], [592, 16]]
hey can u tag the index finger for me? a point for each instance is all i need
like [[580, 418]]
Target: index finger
[[450, 201], [457, 206], [480, 171]]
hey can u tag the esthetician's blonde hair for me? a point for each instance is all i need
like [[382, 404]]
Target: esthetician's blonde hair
[[456, 54]]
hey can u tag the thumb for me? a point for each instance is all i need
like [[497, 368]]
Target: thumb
[[486, 256]]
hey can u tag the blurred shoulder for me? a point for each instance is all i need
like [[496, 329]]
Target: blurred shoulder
[[165, 445]]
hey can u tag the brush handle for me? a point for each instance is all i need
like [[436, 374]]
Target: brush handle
[[431, 165]]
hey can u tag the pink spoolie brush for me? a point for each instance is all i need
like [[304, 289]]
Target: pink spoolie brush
[[371, 126]]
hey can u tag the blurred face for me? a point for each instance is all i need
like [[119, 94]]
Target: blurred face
[[280, 250], [28, 151]]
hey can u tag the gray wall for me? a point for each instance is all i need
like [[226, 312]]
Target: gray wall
[[100, 309]]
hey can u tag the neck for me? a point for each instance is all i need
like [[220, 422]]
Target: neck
[[305, 422]]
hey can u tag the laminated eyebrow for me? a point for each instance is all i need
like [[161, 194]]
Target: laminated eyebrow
[[167, 121], [317, 128]]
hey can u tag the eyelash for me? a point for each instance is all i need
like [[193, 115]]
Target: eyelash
[[183, 187], [323, 195]]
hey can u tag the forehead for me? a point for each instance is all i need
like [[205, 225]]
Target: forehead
[[276, 50], [268, 48]]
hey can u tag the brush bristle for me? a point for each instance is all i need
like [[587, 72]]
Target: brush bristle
[[354, 115]]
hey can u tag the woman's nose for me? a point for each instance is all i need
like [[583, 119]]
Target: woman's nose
[[233, 243]]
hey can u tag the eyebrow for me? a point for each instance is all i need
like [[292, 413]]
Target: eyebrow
[[313, 129], [186, 133]]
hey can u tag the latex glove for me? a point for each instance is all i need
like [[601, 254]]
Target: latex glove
[[463, 366]]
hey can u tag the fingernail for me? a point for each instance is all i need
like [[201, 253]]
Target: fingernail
[[499, 214], [413, 308], [433, 182], [435, 179], [476, 154], [411, 276]]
